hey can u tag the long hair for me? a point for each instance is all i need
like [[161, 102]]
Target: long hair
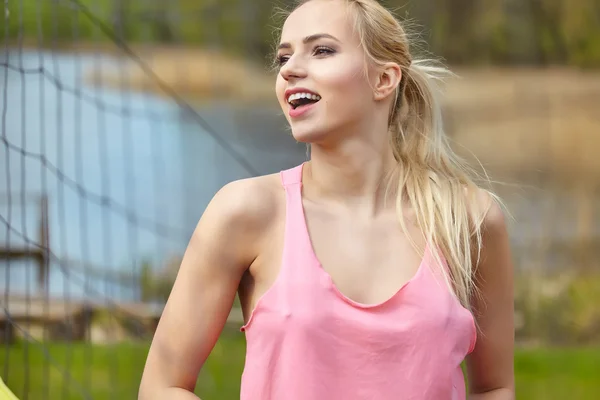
[[431, 179]]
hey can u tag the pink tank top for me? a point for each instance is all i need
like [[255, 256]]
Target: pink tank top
[[307, 341]]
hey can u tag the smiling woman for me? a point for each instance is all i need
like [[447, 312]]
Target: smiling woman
[[371, 271]]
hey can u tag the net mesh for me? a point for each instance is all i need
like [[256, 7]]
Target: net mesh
[[114, 136], [100, 189]]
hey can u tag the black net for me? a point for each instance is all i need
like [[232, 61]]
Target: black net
[[120, 119], [106, 168]]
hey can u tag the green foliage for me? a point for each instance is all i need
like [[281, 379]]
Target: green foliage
[[48, 20], [559, 310], [538, 32], [155, 286]]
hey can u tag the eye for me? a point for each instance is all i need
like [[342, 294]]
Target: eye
[[282, 59], [318, 51], [323, 51]]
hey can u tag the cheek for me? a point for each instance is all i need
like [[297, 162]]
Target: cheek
[[345, 87]]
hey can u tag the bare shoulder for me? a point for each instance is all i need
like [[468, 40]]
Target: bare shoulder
[[227, 239], [486, 210], [490, 365], [250, 200], [240, 214]]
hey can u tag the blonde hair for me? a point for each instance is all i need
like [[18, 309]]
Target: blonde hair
[[432, 180]]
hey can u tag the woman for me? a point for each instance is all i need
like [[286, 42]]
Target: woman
[[371, 271]]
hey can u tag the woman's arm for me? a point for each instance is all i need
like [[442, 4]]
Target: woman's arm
[[224, 244], [490, 366]]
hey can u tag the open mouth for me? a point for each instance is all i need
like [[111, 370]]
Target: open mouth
[[298, 100]]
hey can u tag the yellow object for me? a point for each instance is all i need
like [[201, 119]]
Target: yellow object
[[5, 393]]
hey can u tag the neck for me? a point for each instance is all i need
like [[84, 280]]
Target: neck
[[355, 172]]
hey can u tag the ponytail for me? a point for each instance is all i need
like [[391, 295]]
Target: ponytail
[[432, 181]]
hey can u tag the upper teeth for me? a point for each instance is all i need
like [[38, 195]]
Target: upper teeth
[[297, 96]]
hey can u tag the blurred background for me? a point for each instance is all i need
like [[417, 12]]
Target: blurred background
[[120, 119]]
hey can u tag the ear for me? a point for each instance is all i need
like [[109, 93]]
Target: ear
[[388, 79]]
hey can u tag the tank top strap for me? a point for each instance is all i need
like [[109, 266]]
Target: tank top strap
[[292, 176], [297, 248], [291, 180]]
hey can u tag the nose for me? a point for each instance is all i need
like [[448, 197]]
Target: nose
[[293, 69]]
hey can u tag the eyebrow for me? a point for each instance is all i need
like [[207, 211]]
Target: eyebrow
[[309, 39]]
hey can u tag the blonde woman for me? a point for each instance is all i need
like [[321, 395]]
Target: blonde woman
[[371, 271]]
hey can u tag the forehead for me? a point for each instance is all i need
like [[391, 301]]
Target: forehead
[[319, 16]]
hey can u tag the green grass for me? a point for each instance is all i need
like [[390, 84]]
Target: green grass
[[116, 370], [558, 374]]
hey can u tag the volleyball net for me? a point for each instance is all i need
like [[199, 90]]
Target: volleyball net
[[105, 170], [120, 119]]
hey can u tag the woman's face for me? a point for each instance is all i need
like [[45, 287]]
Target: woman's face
[[322, 72]]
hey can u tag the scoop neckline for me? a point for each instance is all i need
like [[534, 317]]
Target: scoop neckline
[[328, 276]]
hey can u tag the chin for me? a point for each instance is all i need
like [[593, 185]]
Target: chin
[[308, 134]]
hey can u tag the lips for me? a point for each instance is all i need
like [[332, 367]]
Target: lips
[[301, 110], [301, 100], [299, 90]]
